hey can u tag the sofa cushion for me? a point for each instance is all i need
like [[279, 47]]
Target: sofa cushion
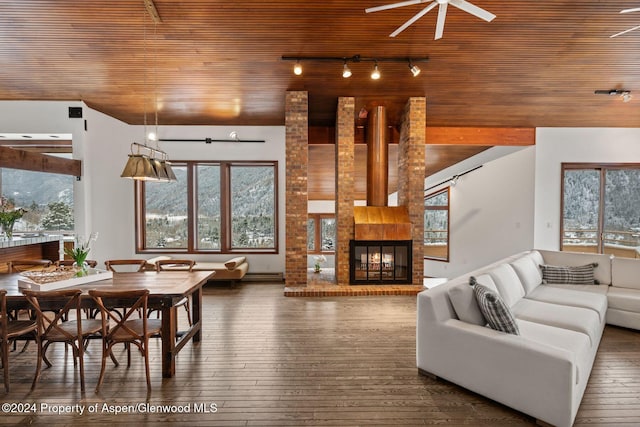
[[624, 299], [528, 272], [569, 275], [465, 304], [594, 289], [508, 283], [234, 262], [487, 281], [576, 319], [536, 256], [625, 273], [493, 308], [570, 297]]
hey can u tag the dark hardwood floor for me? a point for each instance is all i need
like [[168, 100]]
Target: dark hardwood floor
[[269, 360]]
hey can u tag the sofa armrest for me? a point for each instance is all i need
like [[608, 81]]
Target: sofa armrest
[[537, 379]]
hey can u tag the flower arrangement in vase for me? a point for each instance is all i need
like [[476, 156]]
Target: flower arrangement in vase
[[319, 260], [8, 216], [80, 251]]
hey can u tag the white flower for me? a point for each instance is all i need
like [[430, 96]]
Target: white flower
[[320, 259]]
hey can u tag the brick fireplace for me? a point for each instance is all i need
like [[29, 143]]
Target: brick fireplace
[[381, 250]]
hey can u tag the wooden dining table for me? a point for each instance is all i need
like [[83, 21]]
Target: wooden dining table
[[165, 290]]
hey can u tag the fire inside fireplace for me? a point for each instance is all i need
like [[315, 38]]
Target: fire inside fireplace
[[380, 262]]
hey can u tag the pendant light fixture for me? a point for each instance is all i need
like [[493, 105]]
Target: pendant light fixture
[[146, 163]]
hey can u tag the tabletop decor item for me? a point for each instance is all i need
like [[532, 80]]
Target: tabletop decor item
[[51, 279], [80, 251], [320, 259], [8, 216]]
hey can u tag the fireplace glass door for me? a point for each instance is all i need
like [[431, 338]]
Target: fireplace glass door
[[380, 262]]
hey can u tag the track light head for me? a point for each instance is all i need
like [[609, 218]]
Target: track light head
[[375, 74], [415, 70], [297, 69], [346, 71]]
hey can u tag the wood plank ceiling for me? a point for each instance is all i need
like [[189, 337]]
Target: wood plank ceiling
[[213, 62]]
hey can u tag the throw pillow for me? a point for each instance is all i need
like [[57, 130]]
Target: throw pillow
[[580, 275], [493, 308]]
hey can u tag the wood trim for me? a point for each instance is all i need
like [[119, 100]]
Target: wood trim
[[440, 136], [481, 136], [28, 160], [441, 208]]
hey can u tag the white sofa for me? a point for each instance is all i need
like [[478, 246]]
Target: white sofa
[[543, 371]]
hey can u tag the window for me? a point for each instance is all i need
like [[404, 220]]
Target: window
[[436, 226], [47, 197], [600, 205], [321, 233], [212, 207]]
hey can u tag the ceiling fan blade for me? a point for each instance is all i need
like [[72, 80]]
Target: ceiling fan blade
[[393, 5], [624, 32], [635, 9], [414, 19], [473, 9], [442, 15]]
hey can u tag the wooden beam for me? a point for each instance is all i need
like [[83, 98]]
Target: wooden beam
[[27, 160], [480, 136], [441, 136]]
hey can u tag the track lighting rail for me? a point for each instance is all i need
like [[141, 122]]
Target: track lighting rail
[[345, 60]]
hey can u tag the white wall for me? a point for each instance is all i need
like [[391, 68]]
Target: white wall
[[557, 145], [491, 211], [105, 202], [50, 117]]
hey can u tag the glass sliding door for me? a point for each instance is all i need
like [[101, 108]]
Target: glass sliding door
[[621, 222], [601, 209]]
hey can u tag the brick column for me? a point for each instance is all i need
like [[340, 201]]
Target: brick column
[[411, 174], [345, 171], [297, 161]]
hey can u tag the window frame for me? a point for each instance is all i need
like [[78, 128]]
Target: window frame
[[318, 217], [440, 208], [601, 168], [192, 203]]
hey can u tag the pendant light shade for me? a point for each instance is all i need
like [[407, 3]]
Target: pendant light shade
[[139, 167], [169, 170], [153, 166]]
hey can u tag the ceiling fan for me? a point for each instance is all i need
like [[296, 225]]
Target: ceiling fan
[[635, 9], [442, 12]]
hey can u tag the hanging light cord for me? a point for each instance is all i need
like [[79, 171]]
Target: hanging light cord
[[155, 80], [144, 64]]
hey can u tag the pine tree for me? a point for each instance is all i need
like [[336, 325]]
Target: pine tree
[[58, 217]]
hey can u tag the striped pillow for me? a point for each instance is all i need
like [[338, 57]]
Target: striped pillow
[[494, 310], [580, 275]]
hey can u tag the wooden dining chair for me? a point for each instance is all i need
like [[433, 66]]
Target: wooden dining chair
[[19, 265], [10, 330], [130, 329], [135, 265], [51, 307], [178, 265], [69, 262]]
